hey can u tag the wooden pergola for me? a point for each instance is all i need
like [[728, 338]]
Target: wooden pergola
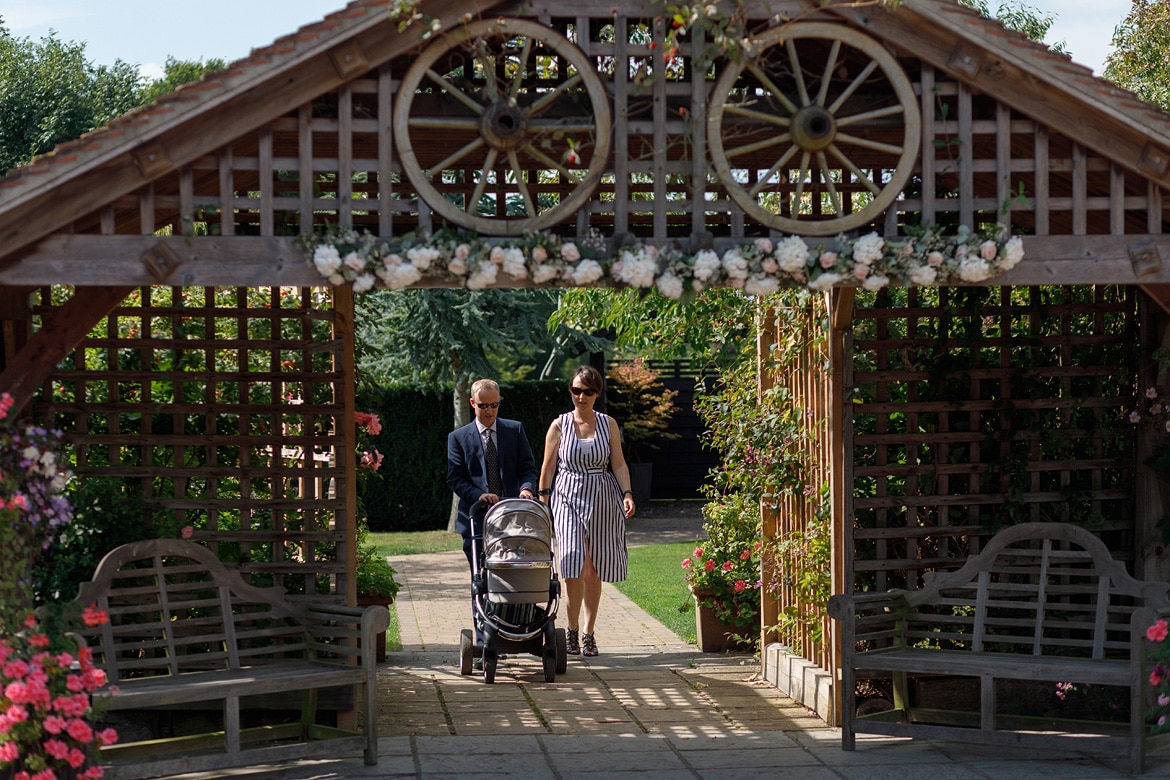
[[165, 245]]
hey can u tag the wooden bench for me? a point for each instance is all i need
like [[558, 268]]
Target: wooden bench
[[1041, 602], [185, 630]]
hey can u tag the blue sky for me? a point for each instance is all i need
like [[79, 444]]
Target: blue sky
[[145, 32]]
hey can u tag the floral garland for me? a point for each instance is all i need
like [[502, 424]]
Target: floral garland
[[346, 256]]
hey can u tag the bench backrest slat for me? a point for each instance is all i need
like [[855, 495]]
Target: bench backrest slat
[[1038, 589]]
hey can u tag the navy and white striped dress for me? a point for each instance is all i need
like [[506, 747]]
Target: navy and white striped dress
[[587, 504]]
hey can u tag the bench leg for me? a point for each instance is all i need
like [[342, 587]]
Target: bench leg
[[987, 703], [231, 724], [371, 754], [848, 706], [901, 690], [1139, 701]]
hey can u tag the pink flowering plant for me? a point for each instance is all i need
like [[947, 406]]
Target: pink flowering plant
[[368, 424], [723, 572], [49, 700], [1159, 656]]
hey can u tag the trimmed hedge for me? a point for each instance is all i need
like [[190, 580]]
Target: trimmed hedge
[[410, 491]]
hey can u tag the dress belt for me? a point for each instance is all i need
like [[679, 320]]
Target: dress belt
[[595, 471]]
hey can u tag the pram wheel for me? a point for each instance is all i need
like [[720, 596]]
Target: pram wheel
[[466, 647], [489, 668], [562, 647]]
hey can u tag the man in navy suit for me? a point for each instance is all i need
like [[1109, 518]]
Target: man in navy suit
[[468, 456]]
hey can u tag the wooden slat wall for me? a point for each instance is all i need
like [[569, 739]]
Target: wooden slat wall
[[227, 408], [934, 475], [793, 517]]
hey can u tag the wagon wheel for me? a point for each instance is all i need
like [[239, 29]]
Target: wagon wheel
[[503, 127], [815, 130]]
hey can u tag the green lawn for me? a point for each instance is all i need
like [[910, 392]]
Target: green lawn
[[655, 583]]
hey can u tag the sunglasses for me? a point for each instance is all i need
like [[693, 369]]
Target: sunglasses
[[495, 405], [582, 391]]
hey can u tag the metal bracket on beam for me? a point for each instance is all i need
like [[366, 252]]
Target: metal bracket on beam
[[1145, 257], [349, 60], [152, 161], [1154, 160], [161, 261], [966, 60]]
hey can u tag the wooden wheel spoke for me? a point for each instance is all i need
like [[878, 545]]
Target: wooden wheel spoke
[[784, 138], [869, 183], [549, 97], [566, 125], [865, 116], [455, 92], [766, 118], [549, 162], [853, 86], [784, 158], [487, 61], [518, 79], [529, 205], [454, 158], [444, 123], [799, 194], [827, 177], [797, 72], [830, 65], [766, 82], [489, 162], [877, 146]]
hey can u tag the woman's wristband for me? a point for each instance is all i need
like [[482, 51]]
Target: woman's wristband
[[544, 492], [629, 493]]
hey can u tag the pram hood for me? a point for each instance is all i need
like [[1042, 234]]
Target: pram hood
[[517, 531]]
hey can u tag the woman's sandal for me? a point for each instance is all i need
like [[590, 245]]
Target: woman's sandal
[[590, 644], [572, 646]]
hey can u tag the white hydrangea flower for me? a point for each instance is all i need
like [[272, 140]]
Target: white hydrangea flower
[[336, 279], [1013, 253], [363, 282], [868, 249], [734, 264], [670, 285], [935, 258], [974, 269], [544, 273], [636, 269], [875, 282], [570, 252], [514, 265], [760, 285], [922, 276], [457, 266], [327, 259], [421, 257], [824, 281], [706, 265], [792, 254], [354, 261], [483, 276], [587, 272]]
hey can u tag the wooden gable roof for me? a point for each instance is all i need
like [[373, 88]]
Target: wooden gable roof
[[1107, 152]]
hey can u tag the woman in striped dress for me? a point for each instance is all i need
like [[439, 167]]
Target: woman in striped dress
[[590, 504]]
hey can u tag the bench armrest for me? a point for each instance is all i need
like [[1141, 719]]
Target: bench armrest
[[333, 622]]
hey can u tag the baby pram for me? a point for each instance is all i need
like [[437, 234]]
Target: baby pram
[[514, 587]]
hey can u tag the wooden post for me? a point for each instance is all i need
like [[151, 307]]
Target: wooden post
[[840, 320], [770, 517]]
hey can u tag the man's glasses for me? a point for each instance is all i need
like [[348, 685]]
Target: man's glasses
[[495, 405], [582, 391]]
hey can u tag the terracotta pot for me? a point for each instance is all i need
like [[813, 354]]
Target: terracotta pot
[[367, 601], [711, 635]]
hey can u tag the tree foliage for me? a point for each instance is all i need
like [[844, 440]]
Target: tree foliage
[[1140, 60], [1026, 19], [50, 93]]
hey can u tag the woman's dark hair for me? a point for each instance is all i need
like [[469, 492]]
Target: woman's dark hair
[[590, 377]]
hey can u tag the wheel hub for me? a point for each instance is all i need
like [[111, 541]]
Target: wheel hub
[[504, 127], [813, 128]]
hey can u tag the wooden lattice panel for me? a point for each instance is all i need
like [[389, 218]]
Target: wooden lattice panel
[[224, 407], [973, 409]]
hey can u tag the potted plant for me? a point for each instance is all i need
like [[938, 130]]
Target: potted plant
[[643, 407], [723, 575], [375, 582]]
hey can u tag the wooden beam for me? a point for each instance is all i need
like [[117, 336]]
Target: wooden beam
[[134, 155], [251, 261], [61, 332], [1018, 79]]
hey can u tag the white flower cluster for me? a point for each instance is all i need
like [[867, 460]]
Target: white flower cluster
[[760, 267]]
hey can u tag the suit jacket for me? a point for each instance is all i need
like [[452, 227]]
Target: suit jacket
[[466, 473]]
